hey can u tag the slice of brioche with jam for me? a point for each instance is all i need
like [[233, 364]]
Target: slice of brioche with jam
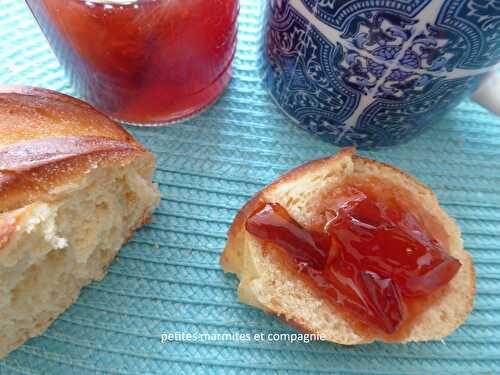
[[266, 283]]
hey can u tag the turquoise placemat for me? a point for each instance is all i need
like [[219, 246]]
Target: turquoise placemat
[[167, 279]]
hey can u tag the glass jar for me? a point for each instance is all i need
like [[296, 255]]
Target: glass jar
[[143, 62]]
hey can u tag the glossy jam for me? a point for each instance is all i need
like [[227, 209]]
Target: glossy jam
[[371, 258], [143, 61]]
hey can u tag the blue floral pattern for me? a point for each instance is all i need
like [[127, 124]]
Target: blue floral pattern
[[386, 73], [478, 23], [339, 13]]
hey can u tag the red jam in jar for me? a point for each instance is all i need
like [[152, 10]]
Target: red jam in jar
[[143, 61], [371, 258]]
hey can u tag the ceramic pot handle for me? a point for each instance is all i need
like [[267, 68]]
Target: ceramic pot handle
[[488, 94]]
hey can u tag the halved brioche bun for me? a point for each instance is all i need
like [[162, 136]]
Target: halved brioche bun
[[73, 188], [266, 284]]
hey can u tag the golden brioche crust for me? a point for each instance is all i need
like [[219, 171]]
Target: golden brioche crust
[[48, 139]]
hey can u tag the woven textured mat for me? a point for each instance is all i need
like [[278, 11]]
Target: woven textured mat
[[167, 279]]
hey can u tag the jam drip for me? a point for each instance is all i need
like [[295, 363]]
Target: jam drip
[[371, 258]]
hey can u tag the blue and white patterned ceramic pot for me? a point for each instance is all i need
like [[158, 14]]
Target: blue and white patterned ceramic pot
[[374, 73]]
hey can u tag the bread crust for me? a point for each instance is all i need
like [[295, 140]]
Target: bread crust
[[48, 139], [237, 249]]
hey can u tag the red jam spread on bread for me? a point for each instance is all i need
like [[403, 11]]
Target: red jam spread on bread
[[371, 258]]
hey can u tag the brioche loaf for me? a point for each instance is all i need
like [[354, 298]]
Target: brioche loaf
[[73, 188], [267, 285]]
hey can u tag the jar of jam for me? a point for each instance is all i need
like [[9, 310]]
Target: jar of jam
[[143, 62]]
